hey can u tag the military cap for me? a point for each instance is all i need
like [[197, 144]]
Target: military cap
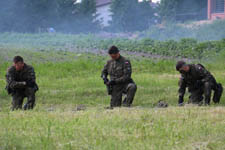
[[113, 50], [180, 64]]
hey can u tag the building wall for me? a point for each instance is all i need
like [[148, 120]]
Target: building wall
[[213, 16], [104, 14]]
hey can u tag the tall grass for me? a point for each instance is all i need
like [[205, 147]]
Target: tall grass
[[75, 79], [129, 129], [68, 79]]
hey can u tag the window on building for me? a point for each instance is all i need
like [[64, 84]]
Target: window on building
[[218, 6]]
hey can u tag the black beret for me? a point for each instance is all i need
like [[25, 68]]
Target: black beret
[[113, 50], [180, 64]]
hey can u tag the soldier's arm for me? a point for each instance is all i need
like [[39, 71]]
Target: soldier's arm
[[182, 89], [11, 83], [203, 73], [105, 71], [127, 73], [31, 77]]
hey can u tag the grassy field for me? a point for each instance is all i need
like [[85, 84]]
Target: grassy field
[[69, 79]]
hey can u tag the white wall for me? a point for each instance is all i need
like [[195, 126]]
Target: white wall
[[104, 14]]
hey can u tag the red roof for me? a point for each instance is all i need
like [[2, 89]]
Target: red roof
[[102, 2]]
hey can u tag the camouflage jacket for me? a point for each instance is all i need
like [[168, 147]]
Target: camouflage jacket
[[197, 74], [15, 78], [119, 70]]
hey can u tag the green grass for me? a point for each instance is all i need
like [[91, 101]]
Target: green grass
[[130, 129], [68, 79]]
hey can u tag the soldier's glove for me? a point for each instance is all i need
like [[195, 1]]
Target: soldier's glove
[[112, 82], [23, 83], [105, 80]]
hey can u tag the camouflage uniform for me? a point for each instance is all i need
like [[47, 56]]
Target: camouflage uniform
[[15, 86], [120, 71], [199, 82]]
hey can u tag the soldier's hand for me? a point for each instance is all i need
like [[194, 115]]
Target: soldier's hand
[[112, 82], [105, 81], [23, 83]]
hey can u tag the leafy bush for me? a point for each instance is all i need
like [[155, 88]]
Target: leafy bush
[[203, 32], [187, 47]]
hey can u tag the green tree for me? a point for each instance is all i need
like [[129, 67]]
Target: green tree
[[87, 16], [27, 15], [6, 13], [130, 15], [146, 14], [66, 16], [33, 15], [182, 10], [168, 9], [77, 17]]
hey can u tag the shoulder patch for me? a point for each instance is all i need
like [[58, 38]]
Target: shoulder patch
[[200, 68]]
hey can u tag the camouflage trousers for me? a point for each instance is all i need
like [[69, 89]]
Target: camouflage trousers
[[205, 92], [18, 98], [196, 96], [128, 90]]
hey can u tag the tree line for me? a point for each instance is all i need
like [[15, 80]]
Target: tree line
[[69, 16]]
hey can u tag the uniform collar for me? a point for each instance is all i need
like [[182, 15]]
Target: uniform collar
[[119, 58], [190, 70], [24, 67]]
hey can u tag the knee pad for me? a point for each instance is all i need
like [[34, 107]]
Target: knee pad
[[207, 85], [132, 87]]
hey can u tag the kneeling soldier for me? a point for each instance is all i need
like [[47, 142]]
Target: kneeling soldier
[[21, 83], [119, 69], [199, 82]]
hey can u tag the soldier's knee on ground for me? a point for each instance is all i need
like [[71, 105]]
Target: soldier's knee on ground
[[30, 94], [116, 98], [196, 97], [207, 91], [130, 92], [132, 87], [17, 101], [29, 91], [207, 85]]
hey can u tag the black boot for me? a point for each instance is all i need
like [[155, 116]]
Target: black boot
[[218, 93]]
